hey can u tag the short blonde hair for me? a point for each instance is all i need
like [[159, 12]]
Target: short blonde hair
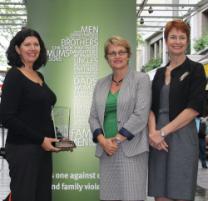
[[119, 41]]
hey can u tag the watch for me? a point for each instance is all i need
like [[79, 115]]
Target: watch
[[117, 140], [162, 133]]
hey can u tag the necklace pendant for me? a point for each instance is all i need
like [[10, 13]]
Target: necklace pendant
[[117, 83]]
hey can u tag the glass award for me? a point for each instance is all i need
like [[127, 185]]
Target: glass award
[[61, 123]]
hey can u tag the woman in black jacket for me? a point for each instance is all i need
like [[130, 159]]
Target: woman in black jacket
[[178, 95]]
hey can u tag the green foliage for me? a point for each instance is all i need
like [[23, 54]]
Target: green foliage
[[201, 43], [152, 64], [12, 18], [139, 39]]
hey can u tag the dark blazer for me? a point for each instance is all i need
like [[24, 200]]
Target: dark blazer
[[187, 88], [132, 111]]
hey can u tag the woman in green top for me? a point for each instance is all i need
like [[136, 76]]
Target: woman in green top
[[118, 120]]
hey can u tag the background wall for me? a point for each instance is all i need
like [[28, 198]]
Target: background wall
[[74, 32]]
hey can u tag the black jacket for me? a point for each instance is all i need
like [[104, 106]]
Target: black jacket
[[187, 88]]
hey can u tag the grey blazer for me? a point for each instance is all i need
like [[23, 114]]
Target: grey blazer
[[132, 111]]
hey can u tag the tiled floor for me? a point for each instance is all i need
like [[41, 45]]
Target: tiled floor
[[202, 182], [4, 179]]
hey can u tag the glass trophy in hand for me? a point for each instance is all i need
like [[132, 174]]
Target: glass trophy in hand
[[61, 122]]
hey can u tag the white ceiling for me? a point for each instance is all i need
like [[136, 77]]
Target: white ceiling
[[163, 11], [12, 14]]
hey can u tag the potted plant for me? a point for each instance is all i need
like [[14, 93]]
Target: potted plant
[[153, 63], [201, 43]]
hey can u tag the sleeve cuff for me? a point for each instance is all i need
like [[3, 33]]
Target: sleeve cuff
[[198, 108], [97, 132], [126, 133]]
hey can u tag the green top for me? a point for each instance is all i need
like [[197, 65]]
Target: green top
[[110, 118]]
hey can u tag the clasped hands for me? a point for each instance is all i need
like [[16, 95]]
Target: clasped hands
[[157, 141], [109, 145]]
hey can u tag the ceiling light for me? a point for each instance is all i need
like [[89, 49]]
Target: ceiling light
[[150, 10]]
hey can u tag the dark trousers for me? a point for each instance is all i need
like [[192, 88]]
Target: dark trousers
[[202, 150], [30, 171]]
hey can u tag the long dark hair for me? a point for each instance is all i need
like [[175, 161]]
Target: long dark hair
[[14, 59]]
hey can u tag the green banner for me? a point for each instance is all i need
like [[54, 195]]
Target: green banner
[[74, 32]]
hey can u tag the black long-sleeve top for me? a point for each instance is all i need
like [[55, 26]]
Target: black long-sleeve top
[[187, 88], [25, 109]]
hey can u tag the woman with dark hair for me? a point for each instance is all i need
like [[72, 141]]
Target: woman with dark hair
[[13, 56], [25, 110], [178, 95]]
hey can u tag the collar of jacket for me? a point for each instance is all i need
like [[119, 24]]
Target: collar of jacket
[[126, 77], [176, 71]]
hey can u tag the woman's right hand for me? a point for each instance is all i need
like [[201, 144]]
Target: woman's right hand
[[155, 138], [162, 146], [157, 141], [48, 146], [109, 146]]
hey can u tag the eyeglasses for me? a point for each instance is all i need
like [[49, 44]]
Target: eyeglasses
[[114, 54], [175, 38]]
